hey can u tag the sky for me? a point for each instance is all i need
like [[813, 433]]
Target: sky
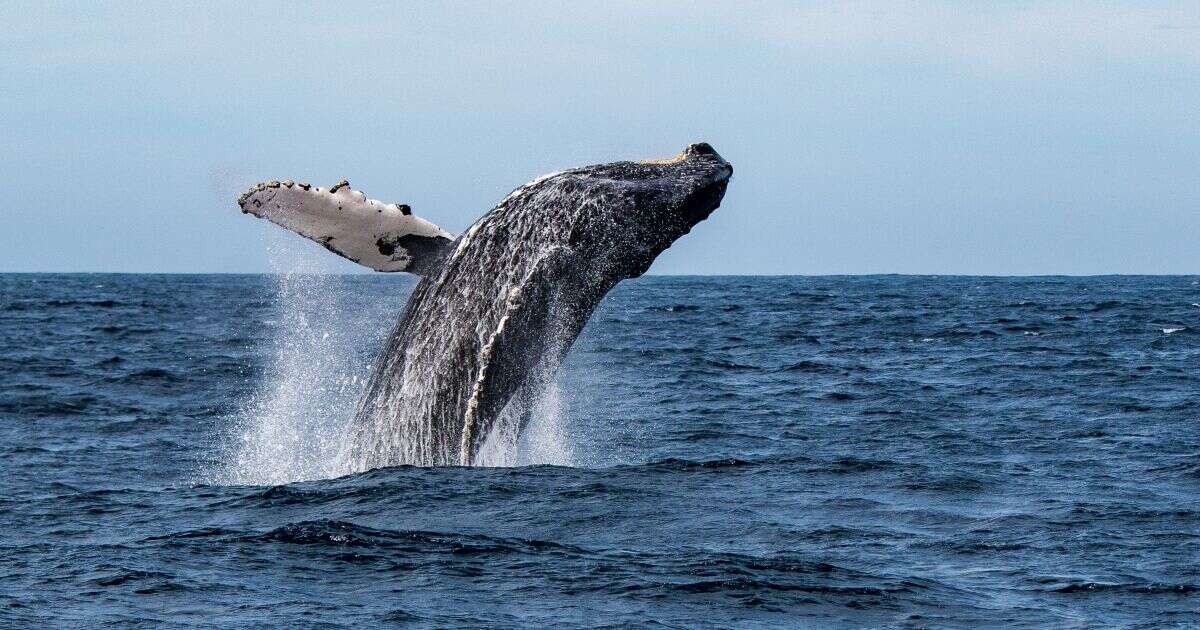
[[866, 137]]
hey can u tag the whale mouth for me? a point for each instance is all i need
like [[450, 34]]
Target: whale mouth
[[710, 189], [711, 177], [722, 169]]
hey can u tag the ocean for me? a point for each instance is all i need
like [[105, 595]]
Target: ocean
[[744, 452]]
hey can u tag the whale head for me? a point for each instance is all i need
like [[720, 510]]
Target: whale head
[[630, 212]]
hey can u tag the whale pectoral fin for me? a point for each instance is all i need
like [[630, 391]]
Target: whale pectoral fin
[[382, 236], [525, 344]]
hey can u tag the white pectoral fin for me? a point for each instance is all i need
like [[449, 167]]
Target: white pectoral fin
[[382, 236]]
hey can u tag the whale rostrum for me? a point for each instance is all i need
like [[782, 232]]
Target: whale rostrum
[[498, 307]]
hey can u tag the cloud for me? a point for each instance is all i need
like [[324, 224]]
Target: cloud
[[1006, 39]]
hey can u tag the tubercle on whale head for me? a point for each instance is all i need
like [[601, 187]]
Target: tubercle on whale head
[[702, 175], [696, 149]]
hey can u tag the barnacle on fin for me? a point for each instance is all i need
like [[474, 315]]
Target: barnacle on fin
[[250, 191], [338, 186]]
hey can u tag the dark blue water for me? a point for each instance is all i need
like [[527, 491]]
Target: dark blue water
[[743, 452]]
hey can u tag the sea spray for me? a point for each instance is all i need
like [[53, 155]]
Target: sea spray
[[530, 432], [545, 439], [294, 426]]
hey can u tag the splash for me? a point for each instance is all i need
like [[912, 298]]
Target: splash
[[536, 432], [294, 426], [297, 426], [545, 439]]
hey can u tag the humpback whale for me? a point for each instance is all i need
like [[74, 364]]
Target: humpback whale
[[498, 307]]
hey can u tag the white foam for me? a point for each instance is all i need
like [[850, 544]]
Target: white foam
[[546, 439], [295, 424]]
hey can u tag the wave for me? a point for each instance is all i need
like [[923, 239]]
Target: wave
[[675, 308], [337, 534], [148, 376], [1106, 305], [649, 574], [38, 305], [811, 367], [116, 579], [1133, 588], [673, 464], [51, 405]]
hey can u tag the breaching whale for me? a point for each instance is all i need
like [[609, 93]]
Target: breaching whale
[[498, 307]]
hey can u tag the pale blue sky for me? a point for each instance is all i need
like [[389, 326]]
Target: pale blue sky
[[916, 137]]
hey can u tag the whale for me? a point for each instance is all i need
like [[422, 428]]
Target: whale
[[497, 307]]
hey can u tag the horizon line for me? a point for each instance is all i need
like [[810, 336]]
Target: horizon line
[[648, 275]]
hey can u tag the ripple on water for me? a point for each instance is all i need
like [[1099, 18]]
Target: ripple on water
[[740, 452]]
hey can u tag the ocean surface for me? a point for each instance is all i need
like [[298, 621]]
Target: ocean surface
[[843, 452]]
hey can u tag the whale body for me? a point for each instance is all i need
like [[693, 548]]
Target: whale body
[[498, 307]]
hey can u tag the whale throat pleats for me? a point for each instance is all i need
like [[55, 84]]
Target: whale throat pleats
[[374, 234]]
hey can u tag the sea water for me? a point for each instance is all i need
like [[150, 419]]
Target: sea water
[[882, 451]]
